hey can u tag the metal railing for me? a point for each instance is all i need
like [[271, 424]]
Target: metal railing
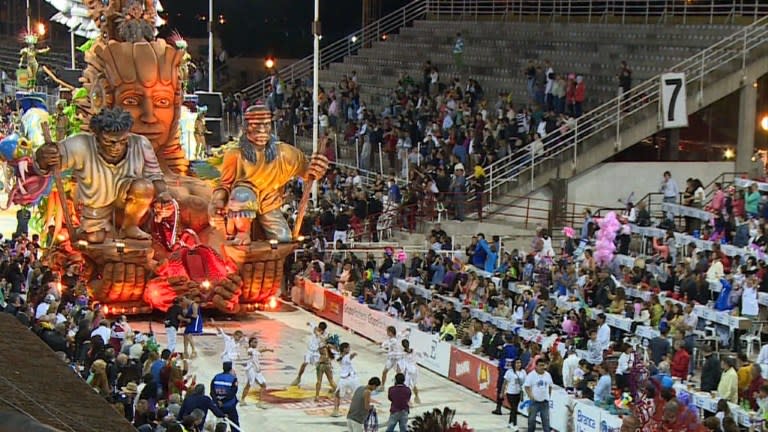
[[606, 121], [349, 45], [636, 11]]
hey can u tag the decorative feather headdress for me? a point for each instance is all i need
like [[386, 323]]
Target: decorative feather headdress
[[94, 18]]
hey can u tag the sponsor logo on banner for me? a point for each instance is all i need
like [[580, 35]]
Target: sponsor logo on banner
[[462, 368], [368, 322], [610, 423], [473, 372], [586, 418], [483, 376]]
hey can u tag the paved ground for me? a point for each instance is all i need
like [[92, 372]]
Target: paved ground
[[288, 408]]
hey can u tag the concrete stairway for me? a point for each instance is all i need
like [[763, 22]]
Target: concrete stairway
[[731, 65], [496, 54]]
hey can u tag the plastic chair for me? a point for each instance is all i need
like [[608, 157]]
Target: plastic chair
[[753, 336], [384, 226]]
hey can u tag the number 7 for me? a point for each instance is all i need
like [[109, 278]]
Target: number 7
[[678, 83]]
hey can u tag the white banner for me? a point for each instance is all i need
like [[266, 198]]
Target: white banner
[[674, 108], [433, 353], [609, 422], [559, 409], [368, 322], [586, 417]]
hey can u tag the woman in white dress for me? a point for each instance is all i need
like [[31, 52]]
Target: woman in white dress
[[410, 368], [348, 381]]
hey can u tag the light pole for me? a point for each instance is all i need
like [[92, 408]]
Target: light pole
[[210, 45], [72, 47], [29, 19], [316, 31]]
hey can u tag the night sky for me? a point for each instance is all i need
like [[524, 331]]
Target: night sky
[[281, 28]]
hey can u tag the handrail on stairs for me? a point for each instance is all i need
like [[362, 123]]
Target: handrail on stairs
[[346, 46], [542, 10], [602, 121]]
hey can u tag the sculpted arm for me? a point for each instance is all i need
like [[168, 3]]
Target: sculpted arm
[[227, 179]]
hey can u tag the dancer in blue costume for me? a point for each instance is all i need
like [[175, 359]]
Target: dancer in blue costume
[[194, 319]]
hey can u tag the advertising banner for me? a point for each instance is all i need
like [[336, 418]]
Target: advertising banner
[[433, 353], [559, 409], [368, 322], [474, 373], [586, 417], [325, 303], [333, 307], [609, 422]]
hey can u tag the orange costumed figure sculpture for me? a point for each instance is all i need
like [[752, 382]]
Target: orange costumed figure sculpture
[[253, 177]]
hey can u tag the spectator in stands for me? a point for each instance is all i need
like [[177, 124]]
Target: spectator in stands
[[728, 387], [710, 371], [752, 201], [625, 79], [458, 51], [603, 387], [579, 96]]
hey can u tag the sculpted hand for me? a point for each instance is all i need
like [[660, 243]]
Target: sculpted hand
[[226, 294], [218, 205], [48, 157], [318, 165]]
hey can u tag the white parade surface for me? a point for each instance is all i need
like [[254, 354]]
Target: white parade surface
[[292, 409]]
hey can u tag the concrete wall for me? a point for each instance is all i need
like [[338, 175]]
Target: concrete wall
[[604, 184]]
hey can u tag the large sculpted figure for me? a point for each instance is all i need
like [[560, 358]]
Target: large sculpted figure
[[115, 170], [253, 177]]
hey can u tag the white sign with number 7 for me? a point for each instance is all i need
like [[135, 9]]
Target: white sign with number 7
[[674, 109]]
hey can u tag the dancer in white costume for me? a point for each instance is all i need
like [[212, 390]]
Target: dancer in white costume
[[348, 381], [317, 341], [232, 345], [394, 352], [253, 369], [410, 368]]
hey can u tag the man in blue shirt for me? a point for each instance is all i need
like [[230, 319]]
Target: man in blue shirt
[[224, 392], [157, 366], [197, 399], [478, 258], [507, 356]]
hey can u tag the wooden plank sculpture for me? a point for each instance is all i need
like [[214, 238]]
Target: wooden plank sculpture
[[203, 243]]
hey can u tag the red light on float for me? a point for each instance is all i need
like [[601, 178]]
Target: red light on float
[[105, 309], [272, 304]]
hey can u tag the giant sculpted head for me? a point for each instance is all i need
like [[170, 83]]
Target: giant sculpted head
[[143, 79], [128, 68]]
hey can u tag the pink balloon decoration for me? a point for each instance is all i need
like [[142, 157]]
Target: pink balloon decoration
[[605, 247]]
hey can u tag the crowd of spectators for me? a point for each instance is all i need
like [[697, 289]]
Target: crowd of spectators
[[436, 136], [148, 386], [554, 277]]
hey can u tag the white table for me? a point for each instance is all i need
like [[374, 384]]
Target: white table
[[681, 210], [745, 183]]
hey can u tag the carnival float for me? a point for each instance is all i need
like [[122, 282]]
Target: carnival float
[[109, 174]]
